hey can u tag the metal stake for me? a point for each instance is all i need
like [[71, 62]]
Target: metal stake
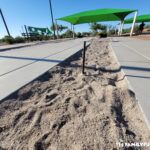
[[73, 32], [83, 56]]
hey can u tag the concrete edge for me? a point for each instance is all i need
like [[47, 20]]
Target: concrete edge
[[18, 47], [131, 88], [35, 43], [5, 98]]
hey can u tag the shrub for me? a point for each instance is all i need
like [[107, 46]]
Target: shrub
[[8, 39], [85, 34], [127, 30], [102, 34], [39, 38], [45, 38], [79, 35], [67, 34], [19, 39], [147, 26], [34, 39], [136, 29]]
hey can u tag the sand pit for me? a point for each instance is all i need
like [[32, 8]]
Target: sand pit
[[65, 110]]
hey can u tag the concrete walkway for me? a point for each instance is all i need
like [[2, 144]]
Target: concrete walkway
[[29, 44], [134, 58], [20, 66], [20, 45]]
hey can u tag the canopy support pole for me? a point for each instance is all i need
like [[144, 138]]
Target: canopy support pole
[[73, 32], [132, 29], [122, 27], [56, 28], [116, 29]]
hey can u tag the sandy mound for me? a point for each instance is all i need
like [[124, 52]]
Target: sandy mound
[[65, 110]]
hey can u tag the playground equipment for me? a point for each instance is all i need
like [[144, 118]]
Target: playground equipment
[[36, 31]]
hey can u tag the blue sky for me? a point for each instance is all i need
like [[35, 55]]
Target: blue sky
[[36, 12]]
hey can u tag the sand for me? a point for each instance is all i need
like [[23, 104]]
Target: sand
[[142, 37], [2, 44], [65, 110]]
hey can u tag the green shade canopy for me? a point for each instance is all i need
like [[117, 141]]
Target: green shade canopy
[[98, 15], [139, 19], [39, 31]]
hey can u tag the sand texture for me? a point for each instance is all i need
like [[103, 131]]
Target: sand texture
[[142, 37], [65, 110]]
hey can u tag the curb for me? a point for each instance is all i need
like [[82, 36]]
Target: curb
[[130, 87]]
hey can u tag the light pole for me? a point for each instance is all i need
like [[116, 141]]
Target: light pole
[[52, 18], [4, 22]]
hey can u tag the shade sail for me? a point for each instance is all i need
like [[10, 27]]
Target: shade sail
[[98, 15], [139, 19], [36, 30]]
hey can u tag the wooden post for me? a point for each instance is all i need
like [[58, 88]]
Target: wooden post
[[73, 32], [132, 29], [83, 56], [56, 28]]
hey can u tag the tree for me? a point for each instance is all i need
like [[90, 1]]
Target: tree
[[95, 27], [111, 30], [60, 28], [84, 34]]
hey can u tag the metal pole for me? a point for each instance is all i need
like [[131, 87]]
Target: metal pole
[[52, 18], [73, 32], [56, 28], [71, 27], [83, 56], [116, 29], [122, 27], [4, 22], [26, 31], [132, 29]]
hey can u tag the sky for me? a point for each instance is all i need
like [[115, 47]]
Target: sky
[[36, 13]]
